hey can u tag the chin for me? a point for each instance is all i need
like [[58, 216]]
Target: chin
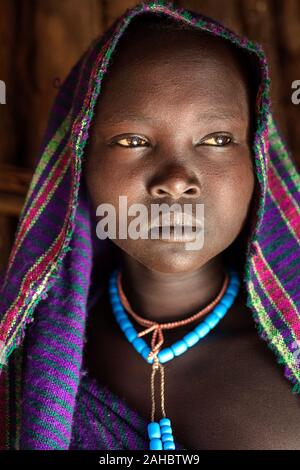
[[174, 260]]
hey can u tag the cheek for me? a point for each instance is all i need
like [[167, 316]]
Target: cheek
[[244, 181], [231, 194], [104, 182]]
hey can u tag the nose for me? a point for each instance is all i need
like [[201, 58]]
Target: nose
[[177, 184]]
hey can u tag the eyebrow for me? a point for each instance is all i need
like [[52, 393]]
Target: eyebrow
[[208, 116]]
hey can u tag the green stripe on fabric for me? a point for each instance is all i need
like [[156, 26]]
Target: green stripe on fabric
[[67, 373], [48, 153], [54, 398], [36, 403], [42, 439], [72, 346], [273, 334], [72, 329]]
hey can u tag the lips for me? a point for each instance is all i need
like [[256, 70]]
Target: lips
[[174, 233], [183, 220], [175, 226], [179, 221]]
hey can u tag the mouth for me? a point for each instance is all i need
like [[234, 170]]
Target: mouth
[[174, 233], [184, 226], [177, 220], [174, 227]]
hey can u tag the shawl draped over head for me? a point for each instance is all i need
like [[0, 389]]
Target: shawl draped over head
[[48, 282]]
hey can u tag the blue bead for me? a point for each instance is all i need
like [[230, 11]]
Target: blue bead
[[119, 310], [191, 338], [235, 281], [212, 319], [168, 445], [113, 289], [120, 316], [236, 286], [145, 352], [130, 334], [166, 430], [167, 437], [220, 310], [125, 323], [150, 361], [165, 355], [165, 422], [156, 444], [114, 300], [179, 347], [228, 300], [138, 344], [202, 329], [154, 430], [114, 295], [232, 290]]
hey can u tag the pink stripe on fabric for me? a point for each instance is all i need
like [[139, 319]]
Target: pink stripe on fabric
[[32, 212], [286, 203], [276, 293], [38, 271]]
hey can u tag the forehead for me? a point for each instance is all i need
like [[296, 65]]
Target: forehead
[[151, 43], [167, 69], [137, 45]]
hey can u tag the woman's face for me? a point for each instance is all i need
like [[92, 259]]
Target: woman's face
[[172, 126]]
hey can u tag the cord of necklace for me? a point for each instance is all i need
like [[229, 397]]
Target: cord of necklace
[[155, 366], [156, 343], [158, 327]]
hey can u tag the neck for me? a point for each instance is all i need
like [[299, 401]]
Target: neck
[[166, 297]]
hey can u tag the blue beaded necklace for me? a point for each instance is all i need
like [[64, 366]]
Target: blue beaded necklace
[[160, 433]]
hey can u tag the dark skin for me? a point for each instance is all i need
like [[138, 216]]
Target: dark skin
[[228, 392], [181, 163]]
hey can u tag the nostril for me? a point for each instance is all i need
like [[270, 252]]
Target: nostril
[[161, 191], [176, 187], [191, 191]]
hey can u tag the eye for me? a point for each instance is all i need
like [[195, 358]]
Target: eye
[[134, 140], [218, 140]]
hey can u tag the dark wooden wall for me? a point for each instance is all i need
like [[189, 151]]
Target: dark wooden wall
[[40, 40]]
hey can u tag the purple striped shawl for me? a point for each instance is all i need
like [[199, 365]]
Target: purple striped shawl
[[48, 283]]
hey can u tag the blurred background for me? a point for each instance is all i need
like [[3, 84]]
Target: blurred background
[[40, 40]]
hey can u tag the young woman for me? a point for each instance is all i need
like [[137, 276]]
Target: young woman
[[168, 107]]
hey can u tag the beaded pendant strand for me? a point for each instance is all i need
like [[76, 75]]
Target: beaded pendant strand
[[160, 433]]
